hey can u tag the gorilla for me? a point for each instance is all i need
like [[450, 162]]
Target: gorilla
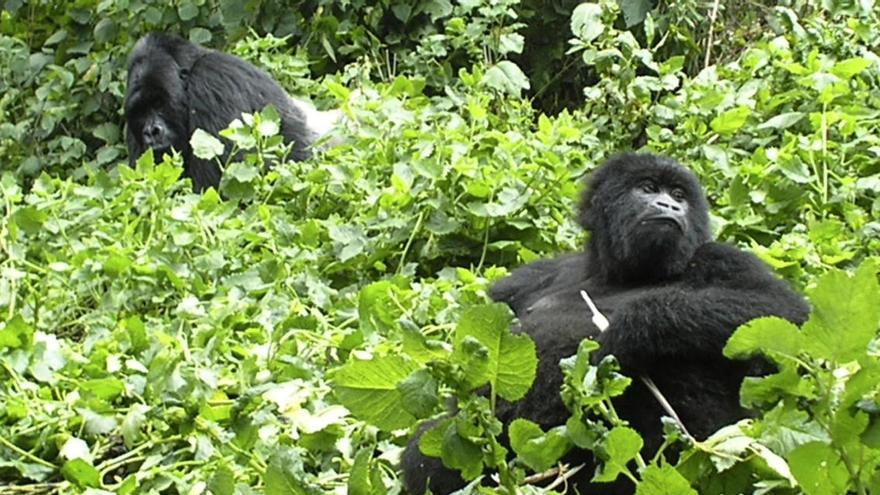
[[175, 87], [673, 298]]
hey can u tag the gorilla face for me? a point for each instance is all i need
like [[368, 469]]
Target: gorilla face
[[647, 216], [155, 106]]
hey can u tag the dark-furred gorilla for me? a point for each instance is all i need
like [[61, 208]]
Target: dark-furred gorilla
[[175, 87], [672, 296]]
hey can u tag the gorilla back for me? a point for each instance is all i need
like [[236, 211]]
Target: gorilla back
[[175, 87]]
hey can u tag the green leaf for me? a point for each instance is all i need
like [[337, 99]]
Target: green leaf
[[206, 146], [818, 469], [29, 219], [620, 447], [349, 240], [270, 122], [511, 360], [773, 337], [47, 357], [81, 474], [105, 30], [378, 310], [431, 441], [402, 11], [663, 480], [418, 392], [107, 132], [583, 432], [845, 315], [242, 172], [846, 69], [187, 11], [511, 43], [586, 21], [222, 482], [105, 389], [461, 454], [757, 391], [537, 449], [731, 120], [507, 77], [361, 480], [15, 333], [369, 390], [133, 423], [634, 11], [473, 359], [200, 35], [782, 121], [438, 9], [795, 169], [285, 475], [129, 486]]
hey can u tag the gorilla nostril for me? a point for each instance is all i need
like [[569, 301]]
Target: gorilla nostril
[[665, 205], [153, 134]]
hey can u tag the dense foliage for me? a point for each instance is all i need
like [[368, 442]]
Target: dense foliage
[[284, 334]]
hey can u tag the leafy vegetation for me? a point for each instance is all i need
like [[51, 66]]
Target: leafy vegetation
[[284, 334]]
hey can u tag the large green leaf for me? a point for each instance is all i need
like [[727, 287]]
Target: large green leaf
[[539, 450], [845, 315], [369, 389], [510, 360]]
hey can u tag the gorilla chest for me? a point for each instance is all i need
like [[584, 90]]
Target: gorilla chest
[[569, 301], [563, 318]]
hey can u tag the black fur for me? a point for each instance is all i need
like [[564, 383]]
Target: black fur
[[175, 87], [673, 298]]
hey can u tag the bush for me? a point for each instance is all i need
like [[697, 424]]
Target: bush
[[283, 334]]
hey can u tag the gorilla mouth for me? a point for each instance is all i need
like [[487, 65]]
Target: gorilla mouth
[[161, 151], [663, 220]]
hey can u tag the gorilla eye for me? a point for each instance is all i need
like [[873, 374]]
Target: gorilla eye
[[649, 187], [678, 194]]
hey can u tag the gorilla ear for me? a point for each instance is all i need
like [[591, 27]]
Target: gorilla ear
[[584, 211]]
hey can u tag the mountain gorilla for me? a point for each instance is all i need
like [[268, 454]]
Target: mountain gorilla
[[175, 87], [673, 297]]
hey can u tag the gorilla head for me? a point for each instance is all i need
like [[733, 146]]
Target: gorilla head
[[176, 87], [647, 215], [155, 100]]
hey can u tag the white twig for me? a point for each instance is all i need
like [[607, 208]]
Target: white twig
[[560, 473], [711, 41], [564, 476], [598, 318], [665, 404], [602, 324]]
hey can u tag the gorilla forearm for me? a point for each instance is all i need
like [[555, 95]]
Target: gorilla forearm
[[694, 318], [529, 283], [689, 324]]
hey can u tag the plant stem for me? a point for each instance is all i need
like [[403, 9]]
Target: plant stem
[[11, 446]]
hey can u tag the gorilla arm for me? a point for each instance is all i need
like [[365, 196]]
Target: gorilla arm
[[692, 319], [530, 283]]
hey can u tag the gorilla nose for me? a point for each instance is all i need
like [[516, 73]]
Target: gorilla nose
[[664, 202], [154, 134]]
